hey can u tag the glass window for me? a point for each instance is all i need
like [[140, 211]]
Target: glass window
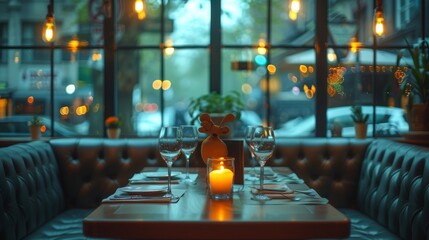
[[164, 57], [243, 21]]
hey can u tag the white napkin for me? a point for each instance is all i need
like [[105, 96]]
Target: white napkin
[[141, 178], [282, 191], [122, 197]]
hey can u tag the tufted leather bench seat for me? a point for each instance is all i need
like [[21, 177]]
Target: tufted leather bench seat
[[381, 185], [46, 189]]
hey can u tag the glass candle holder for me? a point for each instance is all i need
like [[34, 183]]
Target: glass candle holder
[[220, 177]]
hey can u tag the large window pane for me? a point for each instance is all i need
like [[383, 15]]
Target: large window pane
[[293, 28], [80, 20], [190, 20], [139, 98], [293, 90], [243, 21]]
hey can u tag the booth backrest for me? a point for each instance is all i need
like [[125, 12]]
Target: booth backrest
[[30, 191], [329, 165], [394, 188], [93, 168]]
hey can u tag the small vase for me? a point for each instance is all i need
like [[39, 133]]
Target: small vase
[[35, 132], [113, 132], [360, 130]]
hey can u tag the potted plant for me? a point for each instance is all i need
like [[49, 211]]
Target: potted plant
[[216, 105], [360, 120], [113, 127], [416, 85], [34, 125]]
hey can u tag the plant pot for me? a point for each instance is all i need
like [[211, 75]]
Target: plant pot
[[336, 130], [360, 130], [35, 133], [419, 117], [113, 132]]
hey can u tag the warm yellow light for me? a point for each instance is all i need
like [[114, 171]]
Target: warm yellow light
[[309, 92], [48, 34], [303, 68], [294, 6], [96, 56], [81, 110], [354, 45], [271, 68], [166, 84], [157, 84], [139, 5], [64, 111], [169, 49], [332, 57], [378, 22], [140, 9], [293, 15], [262, 50]]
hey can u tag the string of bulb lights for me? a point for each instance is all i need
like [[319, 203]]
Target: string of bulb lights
[[49, 33]]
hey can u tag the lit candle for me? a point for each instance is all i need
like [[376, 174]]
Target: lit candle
[[221, 180]]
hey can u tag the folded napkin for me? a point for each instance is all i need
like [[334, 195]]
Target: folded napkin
[[273, 177], [160, 178], [281, 191], [122, 197]]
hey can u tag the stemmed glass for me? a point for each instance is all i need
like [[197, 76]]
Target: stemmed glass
[[262, 142], [169, 147], [247, 137], [189, 143]]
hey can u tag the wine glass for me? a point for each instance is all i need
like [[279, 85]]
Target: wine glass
[[247, 136], [262, 142], [189, 143], [169, 147]]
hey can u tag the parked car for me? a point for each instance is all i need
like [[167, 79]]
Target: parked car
[[389, 122], [17, 126]]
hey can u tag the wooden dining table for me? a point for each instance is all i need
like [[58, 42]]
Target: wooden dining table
[[196, 216]]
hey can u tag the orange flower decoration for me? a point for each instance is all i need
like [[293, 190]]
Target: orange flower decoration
[[112, 122]]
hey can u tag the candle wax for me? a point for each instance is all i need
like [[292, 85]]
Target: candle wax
[[221, 181]]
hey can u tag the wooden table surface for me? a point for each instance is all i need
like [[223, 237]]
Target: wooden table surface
[[196, 216]]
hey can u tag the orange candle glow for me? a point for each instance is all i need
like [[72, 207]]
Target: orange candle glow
[[221, 180]]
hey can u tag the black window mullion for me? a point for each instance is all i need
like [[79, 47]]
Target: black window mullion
[[321, 44], [215, 47], [267, 74], [110, 93], [162, 67]]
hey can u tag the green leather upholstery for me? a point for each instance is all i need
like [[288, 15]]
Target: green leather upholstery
[[46, 189], [30, 189]]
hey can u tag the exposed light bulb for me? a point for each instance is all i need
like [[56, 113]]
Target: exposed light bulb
[[48, 34], [379, 19], [140, 9], [355, 45], [294, 6]]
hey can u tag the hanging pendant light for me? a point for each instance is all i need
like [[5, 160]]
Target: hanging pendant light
[[294, 7], [48, 34], [379, 19], [140, 8]]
